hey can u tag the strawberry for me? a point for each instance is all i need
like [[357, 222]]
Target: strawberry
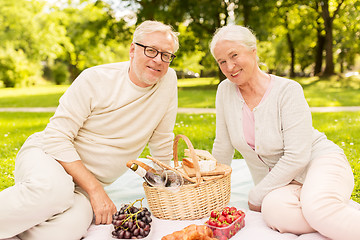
[[212, 222], [226, 211], [224, 225], [241, 213], [236, 216], [233, 210], [215, 214], [217, 233], [221, 218], [229, 219]]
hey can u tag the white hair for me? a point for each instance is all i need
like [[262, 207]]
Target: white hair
[[155, 26], [236, 33]]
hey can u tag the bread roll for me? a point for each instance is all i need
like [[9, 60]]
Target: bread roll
[[192, 232], [206, 161]]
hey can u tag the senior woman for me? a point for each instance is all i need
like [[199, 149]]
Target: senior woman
[[303, 181]]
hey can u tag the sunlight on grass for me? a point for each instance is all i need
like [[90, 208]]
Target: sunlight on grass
[[200, 93], [192, 82], [331, 92], [343, 128], [41, 96], [14, 130]]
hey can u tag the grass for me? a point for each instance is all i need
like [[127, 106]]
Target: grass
[[342, 128], [14, 129], [332, 91], [200, 93], [43, 96]]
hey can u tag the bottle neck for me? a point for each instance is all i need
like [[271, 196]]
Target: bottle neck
[[139, 170]]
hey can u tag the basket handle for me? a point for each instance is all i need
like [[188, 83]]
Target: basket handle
[[194, 157]]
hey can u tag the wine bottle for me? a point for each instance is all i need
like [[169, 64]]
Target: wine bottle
[[153, 179]]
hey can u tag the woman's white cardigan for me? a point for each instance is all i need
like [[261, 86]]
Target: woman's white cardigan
[[285, 141]]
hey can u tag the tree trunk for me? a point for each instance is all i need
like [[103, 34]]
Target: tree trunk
[[246, 13], [291, 46], [319, 52], [292, 54], [329, 68]]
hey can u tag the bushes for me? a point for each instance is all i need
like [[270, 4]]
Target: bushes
[[60, 73], [16, 69]]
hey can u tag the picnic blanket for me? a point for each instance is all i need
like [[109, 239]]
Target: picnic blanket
[[128, 188]]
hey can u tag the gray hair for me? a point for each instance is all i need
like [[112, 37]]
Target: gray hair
[[236, 33], [155, 26]]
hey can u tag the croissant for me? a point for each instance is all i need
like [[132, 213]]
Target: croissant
[[192, 232]]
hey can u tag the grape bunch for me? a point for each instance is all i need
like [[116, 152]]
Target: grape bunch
[[131, 222]]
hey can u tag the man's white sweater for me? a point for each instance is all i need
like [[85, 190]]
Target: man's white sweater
[[105, 120]]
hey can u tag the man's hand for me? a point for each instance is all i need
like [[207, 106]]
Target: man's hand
[[254, 208], [101, 204]]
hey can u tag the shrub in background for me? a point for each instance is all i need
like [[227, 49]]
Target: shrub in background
[[16, 68], [60, 73]]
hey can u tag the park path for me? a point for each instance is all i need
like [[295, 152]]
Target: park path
[[188, 110]]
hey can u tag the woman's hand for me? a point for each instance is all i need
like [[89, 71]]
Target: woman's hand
[[102, 206], [254, 208]]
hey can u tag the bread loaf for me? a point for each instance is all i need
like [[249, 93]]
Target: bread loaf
[[192, 232], [206, 161]]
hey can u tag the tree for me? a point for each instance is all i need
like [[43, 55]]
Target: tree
[[96, 35], [27, 38], [328, 23]]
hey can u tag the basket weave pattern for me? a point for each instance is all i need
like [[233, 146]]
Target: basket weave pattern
[[192, 201]]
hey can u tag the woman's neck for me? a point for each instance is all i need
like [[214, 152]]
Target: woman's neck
[[254, 90]]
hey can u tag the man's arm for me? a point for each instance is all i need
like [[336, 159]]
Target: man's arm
[[102, 205]]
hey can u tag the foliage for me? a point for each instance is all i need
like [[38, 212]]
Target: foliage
[[94, 33], [16, 68], [60, 73], [292, 31], [37, 35], [19, 53], [188, 61]]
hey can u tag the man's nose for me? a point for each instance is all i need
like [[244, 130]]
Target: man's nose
[[157, 58]]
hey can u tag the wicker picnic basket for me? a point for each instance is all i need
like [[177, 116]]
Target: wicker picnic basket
[[193, 201]]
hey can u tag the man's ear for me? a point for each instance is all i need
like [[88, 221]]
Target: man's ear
[[132, 50]]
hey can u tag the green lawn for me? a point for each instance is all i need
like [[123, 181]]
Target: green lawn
[[342, 128], [331, 92], [199, 93], [42, 96]]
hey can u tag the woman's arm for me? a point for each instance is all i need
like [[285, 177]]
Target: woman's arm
[[296, 129], [223, 151]]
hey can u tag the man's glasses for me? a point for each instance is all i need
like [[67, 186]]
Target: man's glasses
[[152, 52]]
